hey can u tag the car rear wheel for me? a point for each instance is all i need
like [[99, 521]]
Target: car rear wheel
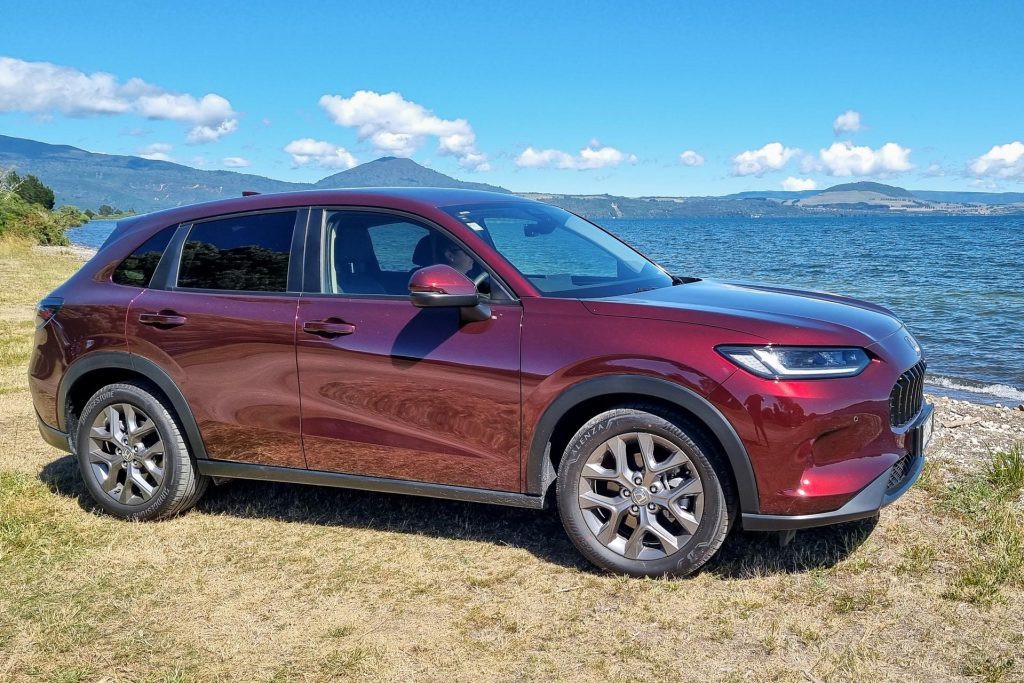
[[641, 491], [133, 455]]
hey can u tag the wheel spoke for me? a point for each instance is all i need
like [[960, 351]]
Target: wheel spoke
[[99, 455], [145, 489], [114, 418], [677, 459], [688, 488], [100, 434], [686, 519], [109, 482], [669, 543], [154, 470], [635, 543], [126, 490], [646, 442]]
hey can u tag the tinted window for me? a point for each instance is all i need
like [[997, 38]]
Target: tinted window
[[375, 253], [137, 270], [244, 253]]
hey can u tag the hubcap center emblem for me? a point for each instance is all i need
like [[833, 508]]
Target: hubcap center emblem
[[641, 496]]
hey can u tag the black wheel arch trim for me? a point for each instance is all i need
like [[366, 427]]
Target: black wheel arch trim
[[540, 472], [121, 360]]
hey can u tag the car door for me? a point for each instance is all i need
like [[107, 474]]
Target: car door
[[222, 326], [391, 390]]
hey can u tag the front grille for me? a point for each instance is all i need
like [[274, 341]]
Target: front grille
[[899, 473], [907, 396]]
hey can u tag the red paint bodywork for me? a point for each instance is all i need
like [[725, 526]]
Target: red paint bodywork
[[415, 393]]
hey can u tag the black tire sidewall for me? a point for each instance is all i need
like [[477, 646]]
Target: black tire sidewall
[[143, 400], [697, 550]]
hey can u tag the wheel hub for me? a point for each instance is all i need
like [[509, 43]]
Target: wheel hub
[[641, 496]]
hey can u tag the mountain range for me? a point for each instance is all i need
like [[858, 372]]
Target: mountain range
[[88, 180]]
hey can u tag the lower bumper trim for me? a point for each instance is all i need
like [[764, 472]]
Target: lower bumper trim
[[52, 435], [865, 504]]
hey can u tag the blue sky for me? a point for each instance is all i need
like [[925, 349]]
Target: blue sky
[[559, 97]]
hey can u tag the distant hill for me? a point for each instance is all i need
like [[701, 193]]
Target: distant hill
[[612, 206], [397, 172], [878, 188], [993, 198], [87, 179], [864, 196]]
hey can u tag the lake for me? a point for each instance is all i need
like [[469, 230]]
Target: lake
[[955, 280]]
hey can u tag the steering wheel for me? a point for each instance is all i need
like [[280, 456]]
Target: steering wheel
[[479, 278]]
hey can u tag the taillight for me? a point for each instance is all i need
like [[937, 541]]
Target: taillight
[[47, 308]]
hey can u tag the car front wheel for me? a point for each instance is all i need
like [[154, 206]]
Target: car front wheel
[[133, 455], [642, 491]]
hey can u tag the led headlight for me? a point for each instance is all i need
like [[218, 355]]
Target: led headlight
[[797, 362]]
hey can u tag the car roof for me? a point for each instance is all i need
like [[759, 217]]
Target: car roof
[[414, 199]]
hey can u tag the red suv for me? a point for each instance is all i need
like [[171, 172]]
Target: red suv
[[471, 346]]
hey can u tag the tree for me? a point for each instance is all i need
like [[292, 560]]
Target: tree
[[90, 213], [33, 191], [106, 209]]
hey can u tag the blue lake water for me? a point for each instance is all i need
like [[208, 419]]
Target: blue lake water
[[955, 280]]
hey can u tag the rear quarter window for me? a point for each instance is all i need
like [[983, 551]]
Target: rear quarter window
[[137, 270]]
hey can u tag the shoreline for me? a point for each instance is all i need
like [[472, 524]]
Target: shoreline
[[957, 392]]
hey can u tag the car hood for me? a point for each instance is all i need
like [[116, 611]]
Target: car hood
[[779, 316]]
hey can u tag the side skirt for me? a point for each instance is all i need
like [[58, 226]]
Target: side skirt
[[241, 470]]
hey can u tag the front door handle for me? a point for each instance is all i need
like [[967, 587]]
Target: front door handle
[[162, 319], [328, 328]]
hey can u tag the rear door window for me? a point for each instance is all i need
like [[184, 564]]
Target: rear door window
[[242, 253]]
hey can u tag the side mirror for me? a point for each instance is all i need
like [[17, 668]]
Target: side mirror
[[443, 286]]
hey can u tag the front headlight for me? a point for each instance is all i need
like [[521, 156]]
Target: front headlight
[[797, 362]]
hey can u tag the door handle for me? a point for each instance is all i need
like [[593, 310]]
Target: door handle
[[328, 328], [162, 319]]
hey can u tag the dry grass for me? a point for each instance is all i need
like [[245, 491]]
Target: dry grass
[[287, 583]]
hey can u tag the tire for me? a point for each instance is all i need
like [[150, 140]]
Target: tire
[[141, 469], [610, 518]]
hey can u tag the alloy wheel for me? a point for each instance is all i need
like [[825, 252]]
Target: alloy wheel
[[641, 496], [126, 454]]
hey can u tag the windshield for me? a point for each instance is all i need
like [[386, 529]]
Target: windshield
[[561, 254]]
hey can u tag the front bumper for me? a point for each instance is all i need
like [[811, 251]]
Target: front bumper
[[52, 435], [872, 498]]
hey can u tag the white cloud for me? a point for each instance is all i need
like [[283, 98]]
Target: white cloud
[[691, 158], [42, 87], [771, 157], [794, 184], [235, 162], [396, 126], [845, 159], [1002, 161], [847, 122], [934, 171], [590, 157], [323, 154], [158, 151]]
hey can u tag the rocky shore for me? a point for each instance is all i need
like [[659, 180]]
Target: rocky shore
[[965, 432]]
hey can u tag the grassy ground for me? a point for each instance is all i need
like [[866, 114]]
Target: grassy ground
[[287, 583]]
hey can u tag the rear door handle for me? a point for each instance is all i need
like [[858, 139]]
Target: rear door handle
[[328, 328], [162, 319]]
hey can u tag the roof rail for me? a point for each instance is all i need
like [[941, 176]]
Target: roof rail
[[249, 193]]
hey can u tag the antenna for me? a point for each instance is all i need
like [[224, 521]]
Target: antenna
[[249, 193]]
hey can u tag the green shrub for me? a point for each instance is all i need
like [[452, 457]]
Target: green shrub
[[23, 219]]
